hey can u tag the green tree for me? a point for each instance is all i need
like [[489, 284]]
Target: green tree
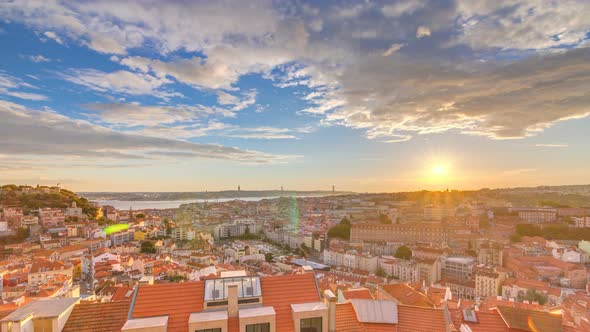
[[268, 257], [168, 226], [384, 219], [147, 247], [140, 216], [514, 238], [380, 272], [403, 252], [533, 296], [341, 230]]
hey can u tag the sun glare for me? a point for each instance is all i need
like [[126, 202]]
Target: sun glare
[[438, 170]]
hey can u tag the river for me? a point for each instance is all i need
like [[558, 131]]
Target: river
[[140, 205]]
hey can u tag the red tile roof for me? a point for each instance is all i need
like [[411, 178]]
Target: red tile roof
[[175, 300], [179, 300], [122, 294], [420, 319], [530, 320], [346, 321], [93, 317], [282, 291], [486, 321], [406, 294], [358, 293]]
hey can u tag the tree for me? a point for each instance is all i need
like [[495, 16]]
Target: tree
[[384, 219], [514, 238], [341, 230], [403, 252], [140, 216], [533, 296], [304, 250], [380, 272], [147, 247], [168, 226], [268, 257]]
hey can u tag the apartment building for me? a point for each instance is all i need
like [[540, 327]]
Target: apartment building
[[488, 280], [536, 215], [43, 269], [457, 267], [50, 217], [404, 233], [438, 212], [235, 228]]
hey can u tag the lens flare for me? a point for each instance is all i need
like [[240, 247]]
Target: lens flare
[[115, 228], [294, 214]]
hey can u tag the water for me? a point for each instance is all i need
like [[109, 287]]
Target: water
[[140, 205]]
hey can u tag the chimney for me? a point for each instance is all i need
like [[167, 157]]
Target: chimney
[[307, 269], [232, 301], [331, 298]]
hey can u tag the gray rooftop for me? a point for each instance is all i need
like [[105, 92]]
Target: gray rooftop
[[42, 308]]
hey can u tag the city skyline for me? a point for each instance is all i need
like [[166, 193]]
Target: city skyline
[[366, 96]]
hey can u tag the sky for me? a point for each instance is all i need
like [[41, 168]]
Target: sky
[[368, 96]]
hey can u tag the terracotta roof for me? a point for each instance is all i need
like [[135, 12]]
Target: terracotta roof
[[346, 318], [282, 291], [175, 300], [358, 293], [179, 300], [346, 321], [530, 320], [486, 321], [42, 265], [420, 319], [406, 294], [123, 294], [92, 317]]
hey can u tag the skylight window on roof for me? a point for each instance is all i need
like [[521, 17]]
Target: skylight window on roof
[[216, 289]]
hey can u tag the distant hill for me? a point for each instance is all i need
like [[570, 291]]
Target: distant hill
[[175, 196], [32, 198], [552, 196]]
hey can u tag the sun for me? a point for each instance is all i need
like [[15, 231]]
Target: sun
[[439, 170]]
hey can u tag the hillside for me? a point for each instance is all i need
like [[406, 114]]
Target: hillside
[[33, 198]]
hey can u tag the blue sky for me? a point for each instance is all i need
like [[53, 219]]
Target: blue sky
[[364, 95]]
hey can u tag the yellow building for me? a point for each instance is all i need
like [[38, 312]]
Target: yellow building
[[139, 235]]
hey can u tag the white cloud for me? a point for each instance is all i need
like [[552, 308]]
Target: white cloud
[[392, 49], [508, 101], [38, 58], [523, 24], [52, 134], [422, 31], [545, 145], [238, 103], [131, 115], [120, 82], [52, 35], [12, 86], [403, 7], [392, 96]]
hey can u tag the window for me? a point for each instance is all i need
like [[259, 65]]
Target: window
[[311, 324], [209, 330], [263, 327]]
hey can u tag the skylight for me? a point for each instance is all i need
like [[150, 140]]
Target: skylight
[[216, 289]]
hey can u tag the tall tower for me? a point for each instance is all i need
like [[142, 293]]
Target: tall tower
[[239, 189], [131, 214], [333, 189]]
